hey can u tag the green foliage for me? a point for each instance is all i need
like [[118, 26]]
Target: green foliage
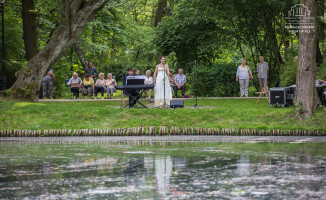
[[218, 80], [289, 69], [13, 40], [321, 73], [123, 35], [214, 31]]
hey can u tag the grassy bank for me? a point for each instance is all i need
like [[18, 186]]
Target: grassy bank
[[225, 113]]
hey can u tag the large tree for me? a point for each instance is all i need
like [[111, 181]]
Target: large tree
[[306, 95], [29, 28], [76, 14]]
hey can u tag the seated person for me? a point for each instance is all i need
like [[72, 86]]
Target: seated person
[[75, 83], [321, 81], [179, 83], [131, 92], [100, 85], [171, 79], [110, 83], [137, 74], [148, 81], [88, 86]]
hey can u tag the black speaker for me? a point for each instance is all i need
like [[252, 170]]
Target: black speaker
[[291, 93], [279, 96], [176, 104]]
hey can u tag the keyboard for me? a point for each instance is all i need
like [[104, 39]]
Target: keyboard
[[140, 87]]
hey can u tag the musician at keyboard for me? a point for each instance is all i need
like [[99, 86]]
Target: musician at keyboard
[[131, 92]]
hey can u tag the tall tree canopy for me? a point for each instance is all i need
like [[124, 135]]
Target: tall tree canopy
[[132, 33]]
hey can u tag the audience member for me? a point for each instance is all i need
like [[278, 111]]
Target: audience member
[[100, 85], [88, 86], [75, 83], [242, 75], [110, 83], [179, 83], [148, 81]]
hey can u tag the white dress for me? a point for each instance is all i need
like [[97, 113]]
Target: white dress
[[159, 88]]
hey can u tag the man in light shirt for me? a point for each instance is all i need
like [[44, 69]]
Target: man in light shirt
[[179, 83], [262, 70]]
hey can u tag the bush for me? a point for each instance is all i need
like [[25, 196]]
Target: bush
[[321, 71], [289, 69], [218, 80]]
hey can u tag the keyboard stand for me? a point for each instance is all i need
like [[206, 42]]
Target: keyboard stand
[[134, 100]]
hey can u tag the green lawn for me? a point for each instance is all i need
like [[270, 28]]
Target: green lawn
[[226, 113]]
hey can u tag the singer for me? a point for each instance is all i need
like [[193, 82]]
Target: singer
[[162, 90]]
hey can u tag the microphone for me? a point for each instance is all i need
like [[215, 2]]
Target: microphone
[[163, 62], [195, 61]]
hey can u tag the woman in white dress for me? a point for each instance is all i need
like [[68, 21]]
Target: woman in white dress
[[159, 84]]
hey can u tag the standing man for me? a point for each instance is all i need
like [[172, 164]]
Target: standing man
[[262, 70], [91, 71], [179, 83]]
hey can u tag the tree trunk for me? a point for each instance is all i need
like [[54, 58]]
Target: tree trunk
[[306, 99], [160, 13], [77, 14], [270, 32], [80, 55], [29, 29]]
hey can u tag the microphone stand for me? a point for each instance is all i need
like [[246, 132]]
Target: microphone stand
[[164, 105], [196, 104]]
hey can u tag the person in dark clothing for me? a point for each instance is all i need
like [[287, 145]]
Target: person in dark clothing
[[91, 71], [131, 92]]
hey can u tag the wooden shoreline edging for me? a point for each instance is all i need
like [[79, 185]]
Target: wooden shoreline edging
[[158, 131]]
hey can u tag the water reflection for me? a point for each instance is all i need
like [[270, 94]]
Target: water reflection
[[243, 165], [163, 170], [191, 171]]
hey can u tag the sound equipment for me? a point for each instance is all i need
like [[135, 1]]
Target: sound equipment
[[284, 96], [279, 96], [321, 91], [291, 93], [176, 104]]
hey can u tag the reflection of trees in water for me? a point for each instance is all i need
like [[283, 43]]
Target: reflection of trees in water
[[133, 172], [47, 169]]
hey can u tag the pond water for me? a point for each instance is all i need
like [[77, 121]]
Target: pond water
[[162, 170]]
